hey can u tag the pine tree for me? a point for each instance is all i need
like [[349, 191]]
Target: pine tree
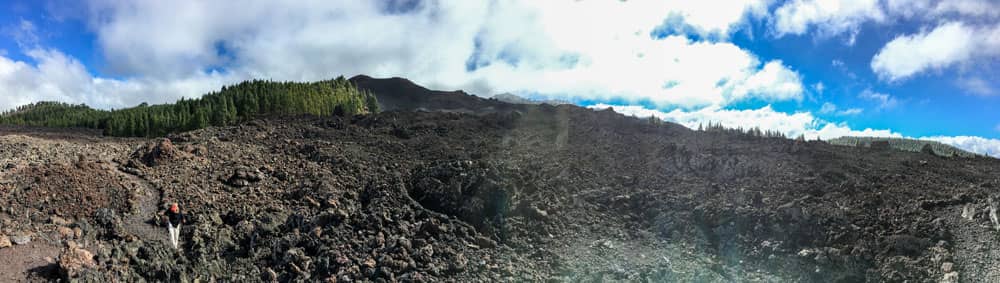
[[231, 104]]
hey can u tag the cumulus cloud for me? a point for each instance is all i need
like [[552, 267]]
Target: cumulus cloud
[[774, 82], [765, 118], [561, 49], [54, 76], [984, 8], [946, 45], [713, 17], [829, 18], [58, 77], [938, 8], [305, 40]]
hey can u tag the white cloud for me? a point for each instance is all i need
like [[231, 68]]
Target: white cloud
[[946, 45], [563, 49], [670, 71], [58, 77], [830, 108], [841, 66], [829, 18], [908, 8], [884, 100], [835, 17], [976, 86], [985, 8], [827, 108], [715, 16], [721, 15], [835, 130], [765, 118], [933, 9], [850, 111], [25, 34], [819, 87], [773, 82], [978, 145]]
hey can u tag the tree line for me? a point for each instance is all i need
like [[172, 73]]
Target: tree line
[[753, 132], [230, 105]]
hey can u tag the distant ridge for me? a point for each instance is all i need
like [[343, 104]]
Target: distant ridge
[[402, 94], [913, 145], [515, 99]]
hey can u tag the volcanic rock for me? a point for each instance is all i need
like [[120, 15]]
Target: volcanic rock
[[244, 176], [21, 239], [75, 260], [157, 153]]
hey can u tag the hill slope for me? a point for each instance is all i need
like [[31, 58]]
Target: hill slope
[[402, 94], [533, 193]]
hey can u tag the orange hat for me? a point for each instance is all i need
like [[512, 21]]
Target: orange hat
[[174, 208]]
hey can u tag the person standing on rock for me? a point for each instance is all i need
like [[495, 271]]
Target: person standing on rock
[[174, 220]]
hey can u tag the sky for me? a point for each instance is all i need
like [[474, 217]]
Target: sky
[[820, 68]]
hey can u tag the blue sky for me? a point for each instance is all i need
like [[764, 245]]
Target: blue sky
[[933, 103], [823, 68]]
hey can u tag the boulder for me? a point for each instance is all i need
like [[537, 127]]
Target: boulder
[[928, 149], [65, 232], [880, 145], [21, 239], [244, 176], [109, 224], [159, 152], [5, 241], [74, 260], [479, 193], [458, 263], [904, 244], [197, 150], [59, 221]]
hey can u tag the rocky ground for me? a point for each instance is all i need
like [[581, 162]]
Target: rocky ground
[[531, 193]]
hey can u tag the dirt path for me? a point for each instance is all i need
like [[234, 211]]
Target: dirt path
[[23, 263], [141, 222]]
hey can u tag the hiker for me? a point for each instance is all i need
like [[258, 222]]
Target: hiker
[[174, 220]]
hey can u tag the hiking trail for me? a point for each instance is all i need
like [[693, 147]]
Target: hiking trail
[[141, 221]]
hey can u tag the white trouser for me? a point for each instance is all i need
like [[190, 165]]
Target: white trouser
[[175, 234]]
